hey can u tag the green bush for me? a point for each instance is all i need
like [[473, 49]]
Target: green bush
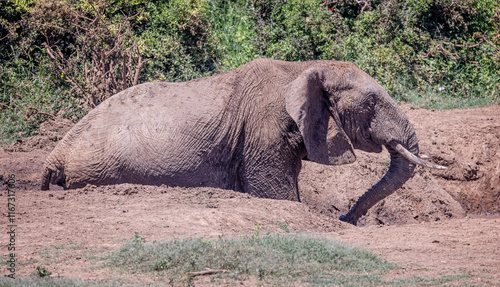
[[174, 35], [233, 32], [432, 53], [29, 95]]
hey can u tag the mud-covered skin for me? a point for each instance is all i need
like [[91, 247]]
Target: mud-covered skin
[[247, 130]]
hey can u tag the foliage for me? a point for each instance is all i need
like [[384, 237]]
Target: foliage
[[420, 45], [97, 56], [233, 31], [275, 259], [42, 272], [78, 53], [61, 58], [29, 95], [435, 53], [174, 36], [10, 15], [268, 256]]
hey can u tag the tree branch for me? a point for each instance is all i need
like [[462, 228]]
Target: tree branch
[[367, 2], [5, 37], [327, 3], [465, 45], [133, 16], [138, 69], [34, 111], [206, 272], [111, 60]]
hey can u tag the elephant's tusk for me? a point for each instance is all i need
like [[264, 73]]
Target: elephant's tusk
[[424, 156], [413, 158]]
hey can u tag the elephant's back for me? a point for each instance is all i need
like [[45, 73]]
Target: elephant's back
[[162, 99], [141, 129], [151, 104]]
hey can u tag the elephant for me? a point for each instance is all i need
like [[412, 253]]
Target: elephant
[[247, 130]]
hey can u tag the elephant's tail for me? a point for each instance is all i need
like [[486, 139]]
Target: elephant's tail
[[46, 177], [54, 175]]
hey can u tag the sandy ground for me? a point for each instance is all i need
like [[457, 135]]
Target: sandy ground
[[439, 223]]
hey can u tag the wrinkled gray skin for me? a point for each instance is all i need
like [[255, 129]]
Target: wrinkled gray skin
[[247, 130]]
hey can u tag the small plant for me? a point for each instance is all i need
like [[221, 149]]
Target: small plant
[[262, 273], [162, 264], [283, 226], [386, 163], [42, 272], [256, 230], [138, 239]]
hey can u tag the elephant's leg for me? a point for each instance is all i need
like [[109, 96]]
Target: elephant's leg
[[275, 178]]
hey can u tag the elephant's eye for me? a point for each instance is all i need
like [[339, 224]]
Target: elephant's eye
[[370, 101], [366, 108]]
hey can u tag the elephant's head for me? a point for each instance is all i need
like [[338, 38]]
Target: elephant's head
[[338, 108]]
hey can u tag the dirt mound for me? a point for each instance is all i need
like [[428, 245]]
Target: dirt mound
[[465, 141], [49, 133], [157, 212], [26, 156], [334, 189], [468, 143]]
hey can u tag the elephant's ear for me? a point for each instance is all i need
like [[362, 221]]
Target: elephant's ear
[[325, 140]]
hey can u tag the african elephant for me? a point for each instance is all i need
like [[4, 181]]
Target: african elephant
[[246, 130]]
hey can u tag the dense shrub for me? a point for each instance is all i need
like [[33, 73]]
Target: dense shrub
[[433, 53]]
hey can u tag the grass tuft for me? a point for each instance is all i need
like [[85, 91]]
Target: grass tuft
[[271, 256]]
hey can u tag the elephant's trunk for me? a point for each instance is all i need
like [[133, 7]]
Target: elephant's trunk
[[400, 170]]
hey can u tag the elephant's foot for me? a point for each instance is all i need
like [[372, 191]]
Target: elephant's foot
[[349, 218]]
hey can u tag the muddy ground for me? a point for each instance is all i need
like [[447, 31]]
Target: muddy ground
[[440, 222]]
